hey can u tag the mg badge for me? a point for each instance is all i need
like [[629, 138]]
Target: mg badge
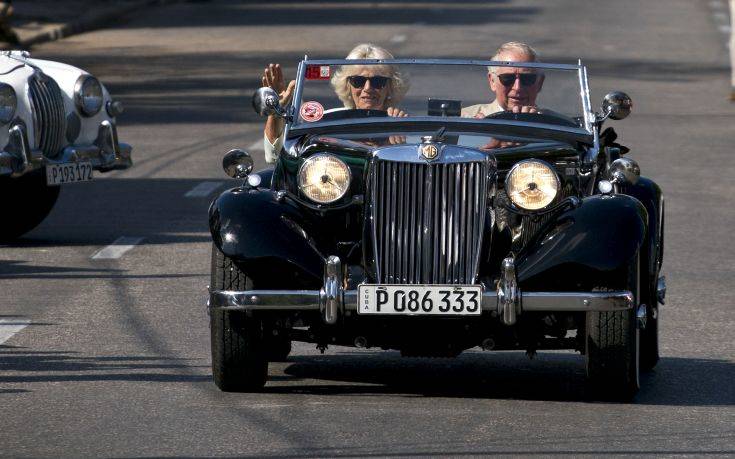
[[429, 151]]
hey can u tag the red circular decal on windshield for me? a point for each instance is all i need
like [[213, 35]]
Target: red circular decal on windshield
[[311, 111]]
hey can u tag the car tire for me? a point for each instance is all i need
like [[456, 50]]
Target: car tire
[[27, 202], [239, 362], [612, 343]]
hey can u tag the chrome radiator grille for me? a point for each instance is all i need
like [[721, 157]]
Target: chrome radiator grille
[[427, 221], [49, 120]]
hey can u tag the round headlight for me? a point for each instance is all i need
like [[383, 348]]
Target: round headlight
[[324, 178], [88, 95], [532, 185], [8, 103]]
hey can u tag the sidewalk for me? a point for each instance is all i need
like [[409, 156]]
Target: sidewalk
[[39, 21]]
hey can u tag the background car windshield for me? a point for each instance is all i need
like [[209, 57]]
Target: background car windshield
[[347, 91]]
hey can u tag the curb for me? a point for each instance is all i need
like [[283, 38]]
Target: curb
[[92, 20]]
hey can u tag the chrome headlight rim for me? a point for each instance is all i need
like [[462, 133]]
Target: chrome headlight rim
[[311, 159], [9, 116], [557, 184], [79, 97]]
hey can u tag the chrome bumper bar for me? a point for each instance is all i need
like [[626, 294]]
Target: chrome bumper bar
[[106, 153], [315, 300]]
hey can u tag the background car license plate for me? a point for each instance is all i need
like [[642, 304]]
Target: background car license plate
[[58, 174], [449, 300]]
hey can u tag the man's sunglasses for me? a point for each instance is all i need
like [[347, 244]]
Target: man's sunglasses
[[377, 82], [508, 79]]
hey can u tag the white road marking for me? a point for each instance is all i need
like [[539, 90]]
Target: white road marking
[[398, 39], [9, 327], [117, 248], [256, 146], [202, 190], [725, 29]]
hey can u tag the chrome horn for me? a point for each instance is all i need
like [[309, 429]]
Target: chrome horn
[[624, 171]]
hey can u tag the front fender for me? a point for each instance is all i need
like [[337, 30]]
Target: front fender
[[597, 237], [267, 237]]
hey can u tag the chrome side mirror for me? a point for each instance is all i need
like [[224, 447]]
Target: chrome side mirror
[[265, 102], [624, 171], [237, 164], [616, 105]]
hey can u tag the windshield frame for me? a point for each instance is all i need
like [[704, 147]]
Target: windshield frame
[[293, 130]]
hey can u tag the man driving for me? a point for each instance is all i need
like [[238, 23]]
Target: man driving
[[515, 88]]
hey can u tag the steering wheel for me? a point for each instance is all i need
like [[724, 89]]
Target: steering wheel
[[532, 118], [353, 113]]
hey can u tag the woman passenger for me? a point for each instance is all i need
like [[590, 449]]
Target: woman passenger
[[373, 87]]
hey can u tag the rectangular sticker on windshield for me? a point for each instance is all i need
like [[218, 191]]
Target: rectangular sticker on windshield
[[318, 72]]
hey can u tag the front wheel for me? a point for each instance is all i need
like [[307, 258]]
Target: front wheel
[[239, 362], [26, 202], [612, 342]]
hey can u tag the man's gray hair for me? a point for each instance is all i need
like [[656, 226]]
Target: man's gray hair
[[514, 47]]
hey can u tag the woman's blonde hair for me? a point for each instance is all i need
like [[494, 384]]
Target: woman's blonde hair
[[397, 87]]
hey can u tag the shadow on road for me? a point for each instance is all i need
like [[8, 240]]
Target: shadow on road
[[64, 366], [676, 381]]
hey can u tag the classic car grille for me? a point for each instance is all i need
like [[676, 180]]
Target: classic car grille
[[49, 118], [427, 221]]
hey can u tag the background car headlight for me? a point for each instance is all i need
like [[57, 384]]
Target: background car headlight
[[532, 185], [324, 178], [8, 103], [88, 95]]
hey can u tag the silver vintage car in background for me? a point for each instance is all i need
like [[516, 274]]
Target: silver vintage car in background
[[57, 125]]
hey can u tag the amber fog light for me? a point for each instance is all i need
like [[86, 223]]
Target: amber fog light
[[324, 178], [532, 185]]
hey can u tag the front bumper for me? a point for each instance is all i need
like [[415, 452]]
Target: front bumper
[[106, 153], [333, 302]]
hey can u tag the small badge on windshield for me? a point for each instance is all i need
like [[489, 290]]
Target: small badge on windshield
[[311, 111]]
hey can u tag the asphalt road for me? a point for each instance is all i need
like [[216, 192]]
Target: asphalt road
[[115, 360]]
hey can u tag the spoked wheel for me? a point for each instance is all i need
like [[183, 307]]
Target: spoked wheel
[[239, 359], [27, 201], [612, 342]]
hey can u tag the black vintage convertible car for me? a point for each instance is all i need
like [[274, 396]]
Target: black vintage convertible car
[[459, 225]]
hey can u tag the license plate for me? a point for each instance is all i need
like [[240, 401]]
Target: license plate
[[59, 174], [442, 300]]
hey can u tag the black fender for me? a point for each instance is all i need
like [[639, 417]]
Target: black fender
[[599, 236], [268, 237], [649, 194]]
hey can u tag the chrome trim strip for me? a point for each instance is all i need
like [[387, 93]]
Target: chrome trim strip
[[309, 300]]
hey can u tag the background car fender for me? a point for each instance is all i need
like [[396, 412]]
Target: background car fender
[[600, 235], [265, 236]]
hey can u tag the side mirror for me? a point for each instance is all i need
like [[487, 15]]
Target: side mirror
[[237, 164], [616, 105], [624, 171], [265, 102]]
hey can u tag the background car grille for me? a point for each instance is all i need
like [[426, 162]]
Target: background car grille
[[49, 118], [427, 221]]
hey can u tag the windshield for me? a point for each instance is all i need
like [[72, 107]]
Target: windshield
[[478, 92]]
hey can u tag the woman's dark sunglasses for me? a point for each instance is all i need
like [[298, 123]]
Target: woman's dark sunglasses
[[377, 82], [527, 79]]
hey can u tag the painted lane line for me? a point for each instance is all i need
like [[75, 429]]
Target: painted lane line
[[9, 327], [256, 146], [725, 29], [117, 248], [202, 190]]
